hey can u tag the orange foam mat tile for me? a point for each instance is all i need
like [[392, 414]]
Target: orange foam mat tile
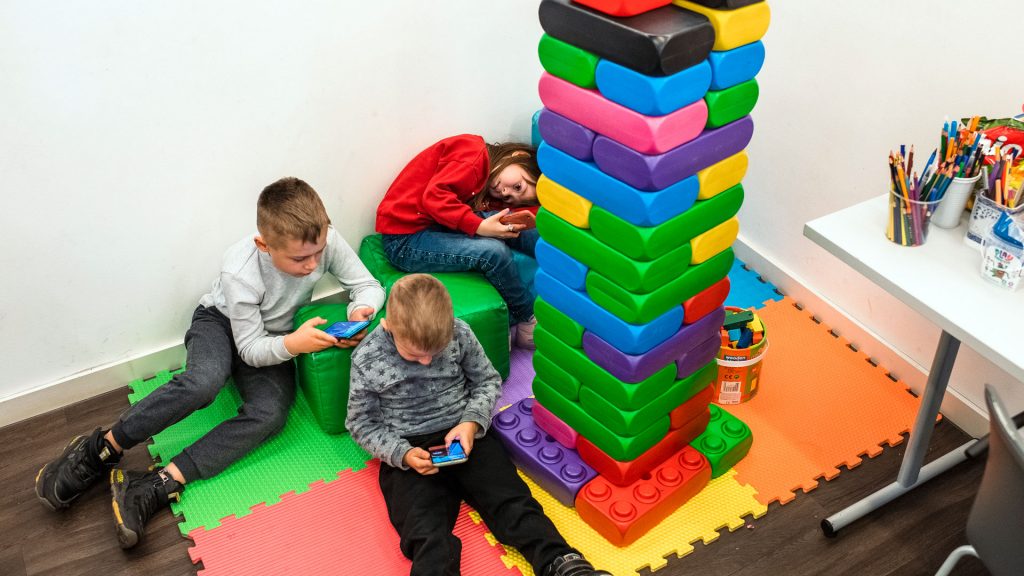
[[820, 405], [339, 527], [722, 504]]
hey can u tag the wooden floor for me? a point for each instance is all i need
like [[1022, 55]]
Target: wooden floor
[[911, 536]]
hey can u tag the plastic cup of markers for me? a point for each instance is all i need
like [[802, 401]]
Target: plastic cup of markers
[[954, 202], [909, 220]]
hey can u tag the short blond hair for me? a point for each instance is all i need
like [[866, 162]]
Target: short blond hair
[[419, 312], [290, 209]]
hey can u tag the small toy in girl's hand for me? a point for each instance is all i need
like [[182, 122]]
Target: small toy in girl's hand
[[346, 329], [453, 454], [521, 217]]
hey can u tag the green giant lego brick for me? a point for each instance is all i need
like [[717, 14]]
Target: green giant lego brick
[[633, 422], [649, 243], [561, 326], [568, 62], [300, 454], [573, 361], [474, 300], [642, 308], [725, 442], [561, 381], [633, 275], [731, 104], [622, 448]]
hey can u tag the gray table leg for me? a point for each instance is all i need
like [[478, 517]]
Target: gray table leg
[[911, 473]]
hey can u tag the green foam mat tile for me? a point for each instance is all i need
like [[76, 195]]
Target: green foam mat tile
[[290, 461]]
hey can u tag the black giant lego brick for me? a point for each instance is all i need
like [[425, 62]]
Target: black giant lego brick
[[660, 42], [725, 4]]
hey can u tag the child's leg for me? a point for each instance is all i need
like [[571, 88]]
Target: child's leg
[[423, 510], [492, 486], [525, 243], [441, 251], [210, 350]]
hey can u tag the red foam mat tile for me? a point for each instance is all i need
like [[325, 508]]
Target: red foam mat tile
[[339, 527]]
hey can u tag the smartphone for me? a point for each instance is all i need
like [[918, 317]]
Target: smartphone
[[523, 217], [346, 329], [442, 456]]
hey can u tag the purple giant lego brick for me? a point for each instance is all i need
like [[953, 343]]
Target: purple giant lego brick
[[636, 367], [698, 356], [553, 467], [574, 139], [657, 171]]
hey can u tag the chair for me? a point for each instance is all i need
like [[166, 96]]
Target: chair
[[995, 527]]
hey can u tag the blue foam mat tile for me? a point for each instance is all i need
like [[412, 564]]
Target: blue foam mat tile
[[749, 290]]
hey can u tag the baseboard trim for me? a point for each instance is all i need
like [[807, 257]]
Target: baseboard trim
[[969, 417]]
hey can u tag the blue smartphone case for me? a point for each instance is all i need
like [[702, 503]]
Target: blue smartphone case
[[346, 329]]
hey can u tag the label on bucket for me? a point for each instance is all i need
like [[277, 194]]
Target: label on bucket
[[729, 392], [737, 379]]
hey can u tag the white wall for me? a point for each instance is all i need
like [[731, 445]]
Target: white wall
[[134, 138], [843, 83]]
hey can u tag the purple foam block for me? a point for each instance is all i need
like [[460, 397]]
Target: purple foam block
[[636, 367], [574, 139], [657, 171], [552, 466], [695, 358]]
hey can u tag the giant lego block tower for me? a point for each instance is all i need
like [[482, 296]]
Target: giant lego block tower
[[644, 126]]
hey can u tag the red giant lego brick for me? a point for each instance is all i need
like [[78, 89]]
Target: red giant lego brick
[[624, 513], [695, 406], [624, 473], [706, 301], [623, 8]]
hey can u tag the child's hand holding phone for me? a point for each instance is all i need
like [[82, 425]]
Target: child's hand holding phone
[[524, 219]]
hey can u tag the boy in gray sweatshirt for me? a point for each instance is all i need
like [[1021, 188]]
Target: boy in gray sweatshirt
[[421, 379], [242, 329]]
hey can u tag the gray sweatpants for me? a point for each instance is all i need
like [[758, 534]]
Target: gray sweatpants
[[266, 395]]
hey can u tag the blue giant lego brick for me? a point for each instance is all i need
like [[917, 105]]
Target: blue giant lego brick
[[749, 290], [632, 205], [629, 338], [563, 267], [736, 66], [555, 468], [653, 95]]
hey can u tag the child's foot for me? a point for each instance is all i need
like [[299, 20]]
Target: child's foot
[[84, 461], [572, 564], [524, 333], [136, 497]]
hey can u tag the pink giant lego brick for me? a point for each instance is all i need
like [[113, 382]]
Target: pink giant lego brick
[[645, 134], [560, 431]]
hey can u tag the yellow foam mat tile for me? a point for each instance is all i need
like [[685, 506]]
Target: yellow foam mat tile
[[723, 503]]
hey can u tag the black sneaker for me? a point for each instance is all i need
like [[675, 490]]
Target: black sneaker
[[136, 497], [572, 564], [84, 461]]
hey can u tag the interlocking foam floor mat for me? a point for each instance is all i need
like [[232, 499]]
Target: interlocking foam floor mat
[[338, 527], [748, 289], [820, 405], [290, 461]]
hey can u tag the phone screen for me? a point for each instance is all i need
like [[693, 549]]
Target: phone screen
[[346, 329], [441, 456]]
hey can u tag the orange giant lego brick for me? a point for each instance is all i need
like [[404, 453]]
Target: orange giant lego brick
[[625, 473], [624, 513]]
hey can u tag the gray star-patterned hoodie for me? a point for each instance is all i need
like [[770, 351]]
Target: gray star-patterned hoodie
[[391, 398]]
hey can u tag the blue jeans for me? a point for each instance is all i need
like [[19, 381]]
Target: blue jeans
[[443, 250]]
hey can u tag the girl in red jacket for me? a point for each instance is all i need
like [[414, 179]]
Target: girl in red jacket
[[444, 211]]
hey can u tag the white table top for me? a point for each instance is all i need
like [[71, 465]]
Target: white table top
[[941, 280]]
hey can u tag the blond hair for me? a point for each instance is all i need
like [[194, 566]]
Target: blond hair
[[419, 312], [290, 209]]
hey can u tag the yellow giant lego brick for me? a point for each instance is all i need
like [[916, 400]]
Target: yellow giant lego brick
[[734, 28], [564, 203], [722, 504], [714, 241], [723, 175]]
